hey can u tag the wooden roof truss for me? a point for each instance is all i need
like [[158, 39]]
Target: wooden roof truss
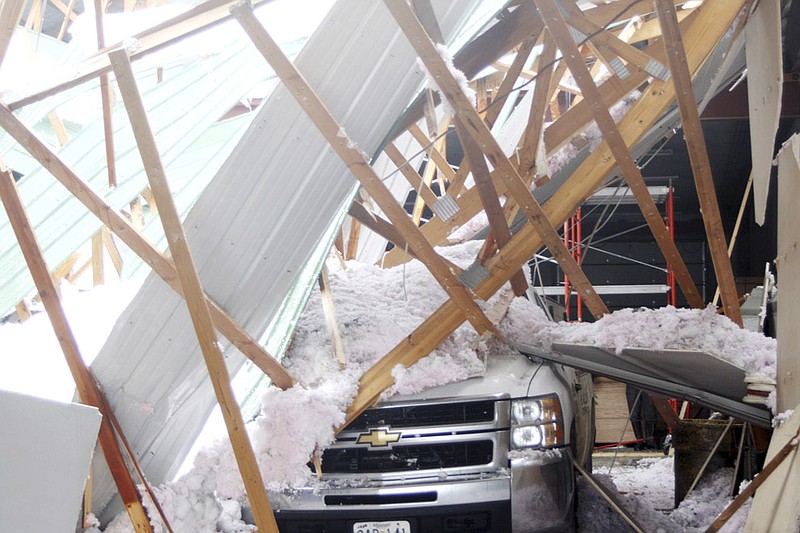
[[569, 40]]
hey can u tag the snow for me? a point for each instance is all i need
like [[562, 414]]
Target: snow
[[657, 329], [646, 489], [460, 77], [376, 309]]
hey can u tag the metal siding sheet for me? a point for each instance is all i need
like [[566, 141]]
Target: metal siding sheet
[[254, 228]]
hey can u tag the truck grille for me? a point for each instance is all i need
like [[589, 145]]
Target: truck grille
[[407, 458], [440, 414]]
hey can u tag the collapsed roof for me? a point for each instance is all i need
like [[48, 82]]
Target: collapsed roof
[[262, 228]]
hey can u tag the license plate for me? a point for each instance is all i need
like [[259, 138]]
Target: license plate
[[395, 526]]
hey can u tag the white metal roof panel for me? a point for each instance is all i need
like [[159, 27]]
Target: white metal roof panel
[[265, 217]]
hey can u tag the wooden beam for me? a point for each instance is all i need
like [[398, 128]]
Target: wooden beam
[[490, 200], [483, 51], [84, 383], [707, 28], [128, 234], [435, 156], [194, 295], [542, 95], [69, 15], [112, 249], [10, 15], [476, 128], [357, 163], [558, 29], [188, 23], [574, 120], [511, 77], [58, 128], [329, 310], [105, 99], [352, 240], [411, 175], [698, 155], [98, 263], [609, 43]]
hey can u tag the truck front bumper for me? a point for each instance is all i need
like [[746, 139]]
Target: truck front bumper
[[537, 491]]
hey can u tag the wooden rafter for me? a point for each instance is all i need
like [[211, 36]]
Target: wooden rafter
[[511, 77], [87, 389], [194, 295], [172, 30], [558, 29], [356, 162], [10, 15], [574, 120], [611, 44], [711, 22], [105, 99], [698, 155], [490, 201], [411, 175], [476, 128], [329, 310], [128, 234]]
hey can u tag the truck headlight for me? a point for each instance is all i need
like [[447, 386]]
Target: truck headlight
[[536, 422]]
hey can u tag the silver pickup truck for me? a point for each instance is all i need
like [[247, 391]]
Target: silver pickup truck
[[492, 453]]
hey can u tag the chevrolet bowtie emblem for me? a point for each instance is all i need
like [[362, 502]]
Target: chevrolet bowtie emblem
[[379, 438]]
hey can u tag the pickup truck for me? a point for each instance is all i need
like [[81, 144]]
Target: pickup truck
[[488, 454]]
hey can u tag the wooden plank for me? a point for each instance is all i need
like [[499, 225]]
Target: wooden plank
[[542, 96], [113, 250], [329, 310], [69, 15], [436, 157], [612, 498], [58, 128], [616, 143], [411, 175], [128, 234], [610, 43], [175, 29], [87, 390], [98, 263], [105, 99], [352, 240], [765, 515], [484, 50], [476, 128], [194, 295], [698, 156], [357, 163], [490, 200], [707, 28], [503, 92], [10, 15]]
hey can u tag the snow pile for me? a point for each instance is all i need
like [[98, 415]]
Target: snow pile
[[652, 477], [591, 135], [707, 501], [460, 77], [656, 329]]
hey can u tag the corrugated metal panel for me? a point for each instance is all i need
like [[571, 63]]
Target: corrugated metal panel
[[189, 175], [180, 109], [270, 211]]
